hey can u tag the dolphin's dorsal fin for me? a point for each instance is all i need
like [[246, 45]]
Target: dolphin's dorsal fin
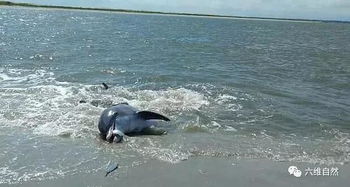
[[147, 115]]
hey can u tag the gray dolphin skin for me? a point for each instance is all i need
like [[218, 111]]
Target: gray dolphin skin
[[121, 119]]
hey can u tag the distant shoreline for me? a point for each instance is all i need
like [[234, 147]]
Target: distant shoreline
[[9, 3]]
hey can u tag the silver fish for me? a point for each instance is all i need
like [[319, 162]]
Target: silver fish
[[111, 167]]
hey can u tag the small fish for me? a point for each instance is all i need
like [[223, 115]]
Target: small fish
[[111, 167]]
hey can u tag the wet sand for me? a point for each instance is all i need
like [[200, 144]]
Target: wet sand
[[206, 172]]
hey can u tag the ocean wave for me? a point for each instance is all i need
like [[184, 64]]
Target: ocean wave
[[35, 100], [17, 77]]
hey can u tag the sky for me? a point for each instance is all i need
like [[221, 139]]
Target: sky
[[304, 9]]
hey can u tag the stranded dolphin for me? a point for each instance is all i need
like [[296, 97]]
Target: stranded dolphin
[[122, 119]]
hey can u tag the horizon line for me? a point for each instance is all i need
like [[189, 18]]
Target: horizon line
[[31, 5]]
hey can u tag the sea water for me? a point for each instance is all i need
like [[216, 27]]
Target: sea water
[[233, 88]]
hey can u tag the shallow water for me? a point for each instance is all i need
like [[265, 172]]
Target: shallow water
[[232, 88]]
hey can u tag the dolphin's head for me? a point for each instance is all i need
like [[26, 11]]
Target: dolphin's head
[[118, 136]]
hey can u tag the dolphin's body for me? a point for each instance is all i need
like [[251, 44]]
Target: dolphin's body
[[124, 119]]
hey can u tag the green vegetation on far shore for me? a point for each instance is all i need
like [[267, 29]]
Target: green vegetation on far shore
[[9, 3]]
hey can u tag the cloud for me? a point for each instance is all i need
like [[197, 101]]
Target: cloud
[[309, 9]]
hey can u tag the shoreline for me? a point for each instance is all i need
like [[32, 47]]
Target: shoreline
[[156, 14], [205, 171], [127, 11]]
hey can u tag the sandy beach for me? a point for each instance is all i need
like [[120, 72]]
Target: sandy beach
[[206, 172]]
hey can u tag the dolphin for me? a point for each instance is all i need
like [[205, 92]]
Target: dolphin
[[121, 119]]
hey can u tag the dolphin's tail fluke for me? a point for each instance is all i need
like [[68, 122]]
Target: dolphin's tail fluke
[[147, 115]]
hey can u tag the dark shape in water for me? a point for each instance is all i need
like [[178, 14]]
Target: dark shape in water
[[105, 86], [110, 168]]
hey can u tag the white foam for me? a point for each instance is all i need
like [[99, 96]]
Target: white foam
[[180, 99], [7, 175], [224, 98], [17, 77], [35, 100], [229, 102], [230, 129], [216, 124], [4, 77]]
